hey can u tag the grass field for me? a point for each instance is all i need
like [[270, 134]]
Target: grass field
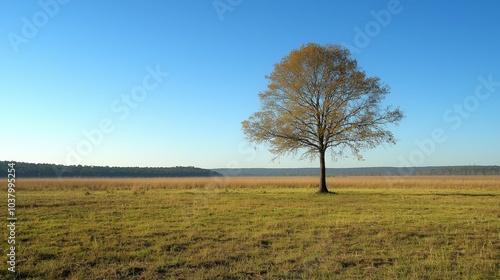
[[258, 228]]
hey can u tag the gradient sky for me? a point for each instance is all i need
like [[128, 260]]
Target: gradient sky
[[167, 83]]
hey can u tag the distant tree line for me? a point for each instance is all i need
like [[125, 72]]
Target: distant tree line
[[364, 171], [34, 170], [461, 170]]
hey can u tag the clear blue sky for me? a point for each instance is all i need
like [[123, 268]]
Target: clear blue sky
[[167, 83]]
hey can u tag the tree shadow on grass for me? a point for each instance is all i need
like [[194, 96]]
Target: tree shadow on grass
[[326, 193]]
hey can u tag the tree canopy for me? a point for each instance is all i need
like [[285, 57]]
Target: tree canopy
[[317, 100]]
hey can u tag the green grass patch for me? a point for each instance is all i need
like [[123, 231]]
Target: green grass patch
[[272, 232]]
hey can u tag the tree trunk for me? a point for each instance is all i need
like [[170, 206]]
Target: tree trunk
[[322, 173]]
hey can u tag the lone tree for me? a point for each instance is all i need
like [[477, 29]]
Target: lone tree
[[317, 99]]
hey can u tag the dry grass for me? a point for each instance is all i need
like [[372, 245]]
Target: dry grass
[[379, 183], [259, 228]]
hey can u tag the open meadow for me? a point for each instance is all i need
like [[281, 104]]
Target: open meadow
[[258, 228]]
